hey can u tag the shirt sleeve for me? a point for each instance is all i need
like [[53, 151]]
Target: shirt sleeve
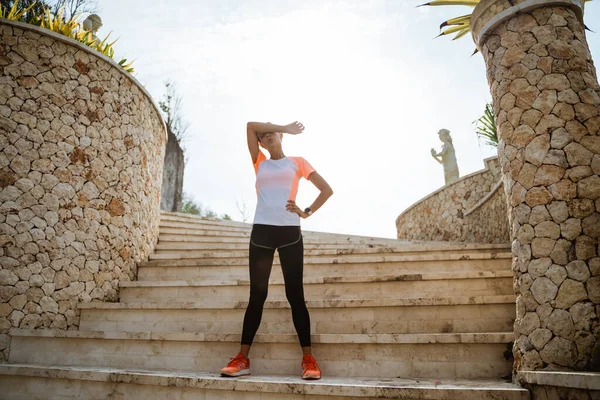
[[304, 167], [261, 158]]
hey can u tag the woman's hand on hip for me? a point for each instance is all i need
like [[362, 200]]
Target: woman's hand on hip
[[292, 207]]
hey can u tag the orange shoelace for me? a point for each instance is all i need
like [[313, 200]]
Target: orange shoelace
[[237, 361], [309, 363]]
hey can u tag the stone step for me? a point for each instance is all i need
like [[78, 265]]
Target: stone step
[[438, 315], [205, 221], [33, 382], [195, 223], [387, 302], [350, 252], [200, 229], [238, 258], [438, 356], [173, 227], [319, 237], [277, 280], [166, 243], [230, 226], [344, 240], [224, 229], [173, 270], [205, 232], [243, 246], [164, 216], [371, 287], [215, 239]]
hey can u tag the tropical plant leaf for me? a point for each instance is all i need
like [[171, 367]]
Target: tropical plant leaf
[[454, 29], [458, 20], [459, 25], [486, 128], [56, 22], [461, 34], [127, 66], [15, 13]]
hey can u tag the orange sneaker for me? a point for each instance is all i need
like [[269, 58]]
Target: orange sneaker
[[238, 366], [310, 368]]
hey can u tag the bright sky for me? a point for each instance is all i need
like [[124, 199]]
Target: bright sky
[[365, 77]]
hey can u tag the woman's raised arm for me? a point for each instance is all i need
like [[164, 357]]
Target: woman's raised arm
[[253, 129]]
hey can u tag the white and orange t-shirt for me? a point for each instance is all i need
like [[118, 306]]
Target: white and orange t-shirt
[[276, 183]]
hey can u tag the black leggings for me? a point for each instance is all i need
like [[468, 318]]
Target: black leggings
[[288, 242]]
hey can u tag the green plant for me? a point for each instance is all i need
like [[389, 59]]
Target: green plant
[[15, 13], [127, 66], [459, 25], [189, 206], [486, 128], [56, 22], [31, 8]]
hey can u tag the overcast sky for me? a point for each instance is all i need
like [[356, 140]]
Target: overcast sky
[[366, 78]]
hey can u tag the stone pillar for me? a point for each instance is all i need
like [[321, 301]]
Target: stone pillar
[[546, 99]]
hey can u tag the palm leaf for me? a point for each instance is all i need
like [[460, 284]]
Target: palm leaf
[[454, 29], [462, 33], [486, 128], [459, 25], [458, 20]]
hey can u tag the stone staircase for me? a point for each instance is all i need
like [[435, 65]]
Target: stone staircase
[[390, 319]]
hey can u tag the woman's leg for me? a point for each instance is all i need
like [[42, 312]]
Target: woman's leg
[[292, 266], [261, 261]]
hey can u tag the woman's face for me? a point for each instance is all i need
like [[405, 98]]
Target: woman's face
[[270, 139]]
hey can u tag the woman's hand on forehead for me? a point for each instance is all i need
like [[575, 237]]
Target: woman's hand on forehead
[[294, 128]]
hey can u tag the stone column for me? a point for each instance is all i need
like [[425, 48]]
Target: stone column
[[546, 99]]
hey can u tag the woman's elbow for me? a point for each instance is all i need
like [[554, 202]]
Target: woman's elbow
[[328, 191]]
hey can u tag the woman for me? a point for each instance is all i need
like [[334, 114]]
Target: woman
[[277, 226]]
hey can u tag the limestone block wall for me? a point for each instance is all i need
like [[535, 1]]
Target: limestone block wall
[[472, 209], [81, 153]]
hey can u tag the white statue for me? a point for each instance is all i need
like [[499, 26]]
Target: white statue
[[91, 24], [448, 157]]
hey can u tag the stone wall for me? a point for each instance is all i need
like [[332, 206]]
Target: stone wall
[[547, 104], [171, 195], [473, 209], [81, 151]]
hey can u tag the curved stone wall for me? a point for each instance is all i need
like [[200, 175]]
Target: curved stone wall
[[473, 209], [81, 153]]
